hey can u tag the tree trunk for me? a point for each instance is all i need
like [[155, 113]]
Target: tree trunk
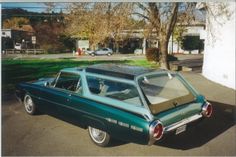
[[117, 46], [164, 52], [177, 46]]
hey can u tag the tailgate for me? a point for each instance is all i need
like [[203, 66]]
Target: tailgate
[[179, 113]]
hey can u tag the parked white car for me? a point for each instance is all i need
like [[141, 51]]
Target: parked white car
[[102, 51], [88, 51], [138, 51], [17, 46]]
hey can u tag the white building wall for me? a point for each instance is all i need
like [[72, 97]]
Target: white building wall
[[82, 44], [219, 56], [6, 33]]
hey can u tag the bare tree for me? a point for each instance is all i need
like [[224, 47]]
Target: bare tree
[[98, 21], [163, 18], [216, 13], [86, 21], [119, 21], [50, 6]]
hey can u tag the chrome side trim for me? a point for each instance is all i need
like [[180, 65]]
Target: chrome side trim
[[182, 122]]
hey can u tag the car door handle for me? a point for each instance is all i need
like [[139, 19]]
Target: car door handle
[[68, 99]]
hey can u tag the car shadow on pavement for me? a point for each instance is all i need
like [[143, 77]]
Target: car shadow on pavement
[[116, 142], [224, 117]]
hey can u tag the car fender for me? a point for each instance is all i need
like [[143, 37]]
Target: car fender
[[95, 123]]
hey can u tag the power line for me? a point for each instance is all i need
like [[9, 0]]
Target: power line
[[27, 7], [18, 15]]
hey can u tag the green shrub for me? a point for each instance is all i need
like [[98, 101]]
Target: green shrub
[[190, 43], [153, 54]]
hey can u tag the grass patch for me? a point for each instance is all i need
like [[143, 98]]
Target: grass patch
[[16, 71]]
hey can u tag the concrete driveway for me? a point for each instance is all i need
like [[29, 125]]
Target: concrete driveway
[[44, 135]]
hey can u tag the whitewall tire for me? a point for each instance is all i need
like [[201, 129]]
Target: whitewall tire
[[99, 137], [29, 105]]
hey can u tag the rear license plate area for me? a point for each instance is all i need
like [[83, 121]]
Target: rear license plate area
[[180, 129]]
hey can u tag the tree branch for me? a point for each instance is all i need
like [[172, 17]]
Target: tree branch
[[141, 15], [155, 15], [173, 19], [141, 6]]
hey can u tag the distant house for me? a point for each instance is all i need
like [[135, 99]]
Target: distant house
[[193, 29], [82, 44], [139, 39], [16, 36]]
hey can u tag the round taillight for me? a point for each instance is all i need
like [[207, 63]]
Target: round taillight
[[207, 110], [158, 131]]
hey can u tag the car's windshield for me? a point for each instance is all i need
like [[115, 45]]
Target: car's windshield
[[164, 90]]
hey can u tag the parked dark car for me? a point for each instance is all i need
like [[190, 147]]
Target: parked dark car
[[129, 103]]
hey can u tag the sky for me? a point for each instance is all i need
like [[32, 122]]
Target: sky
[[34, 7], [41, 7]]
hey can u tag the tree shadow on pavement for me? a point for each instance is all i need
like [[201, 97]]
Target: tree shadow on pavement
[[224, 117]]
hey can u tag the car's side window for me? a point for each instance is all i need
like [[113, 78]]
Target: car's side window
[[113, 89], [69, 81]]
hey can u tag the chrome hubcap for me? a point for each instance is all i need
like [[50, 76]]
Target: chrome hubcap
[[97, 135], [28, 104]]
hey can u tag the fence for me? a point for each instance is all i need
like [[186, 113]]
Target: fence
[[24, 51]]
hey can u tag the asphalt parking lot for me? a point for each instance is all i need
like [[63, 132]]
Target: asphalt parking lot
[[45, 136]]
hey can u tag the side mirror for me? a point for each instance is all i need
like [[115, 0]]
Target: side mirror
[[46, 84]]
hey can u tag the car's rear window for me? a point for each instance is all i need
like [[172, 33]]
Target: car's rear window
[[113, 89], [164, 91]]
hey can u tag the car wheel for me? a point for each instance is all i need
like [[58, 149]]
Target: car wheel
[[29, 105], [99, 137], [92, 54], [109, 54]]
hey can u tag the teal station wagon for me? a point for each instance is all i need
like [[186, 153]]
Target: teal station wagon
[[124, 102]]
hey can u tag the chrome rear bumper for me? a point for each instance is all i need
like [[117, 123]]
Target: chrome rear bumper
[[182, 122], [176, 125]]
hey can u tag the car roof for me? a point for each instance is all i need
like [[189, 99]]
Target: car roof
[[72, 70], [118, 70], [114, 70]]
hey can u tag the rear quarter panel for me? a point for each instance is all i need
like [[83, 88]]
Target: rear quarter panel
[[118, 123]]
